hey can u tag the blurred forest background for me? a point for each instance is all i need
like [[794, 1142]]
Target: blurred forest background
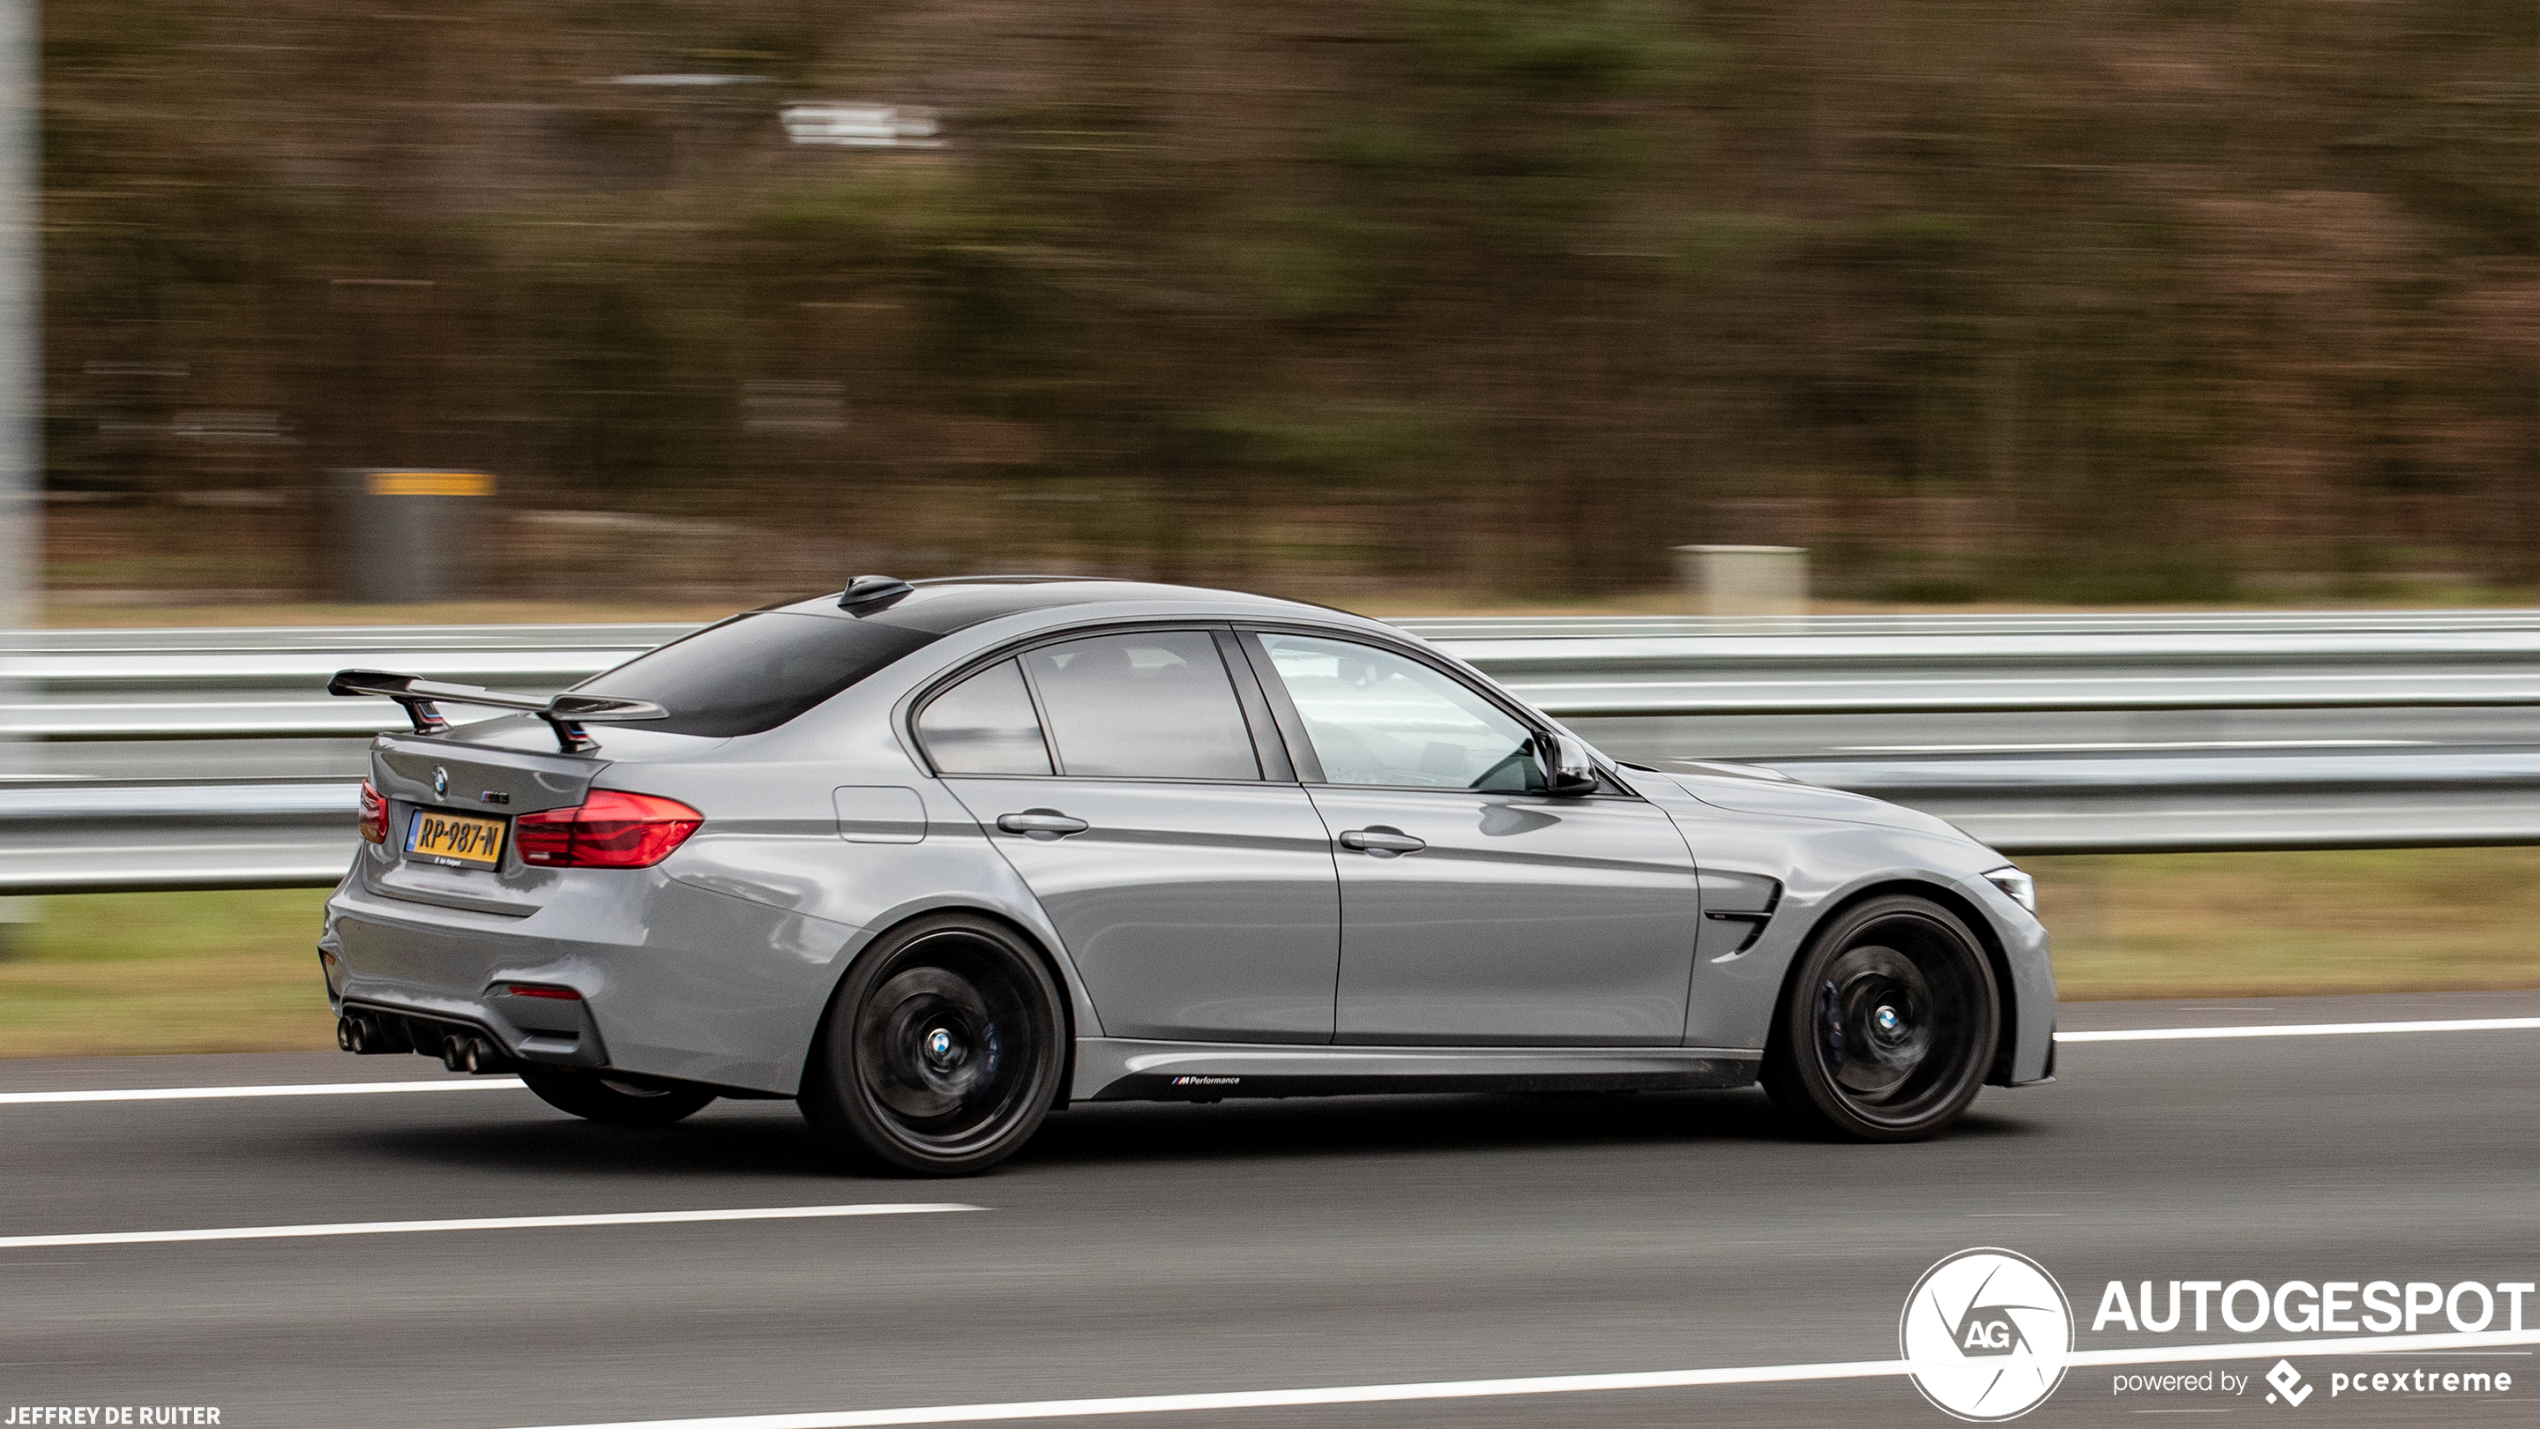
[[2108, 300]]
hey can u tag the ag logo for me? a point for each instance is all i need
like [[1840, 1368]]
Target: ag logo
[[1988, 1332]]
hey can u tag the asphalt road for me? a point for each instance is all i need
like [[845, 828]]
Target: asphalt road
[[1153, 1250]]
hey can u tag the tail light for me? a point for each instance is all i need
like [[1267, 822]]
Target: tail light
[[608, 830], [374, 822]]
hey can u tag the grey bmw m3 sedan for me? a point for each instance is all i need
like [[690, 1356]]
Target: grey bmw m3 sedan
[[937, 858]]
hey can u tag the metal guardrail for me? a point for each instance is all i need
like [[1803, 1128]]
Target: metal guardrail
[[266, 684], [271, 683], [137, 838], [205, 758], [2048, 623]]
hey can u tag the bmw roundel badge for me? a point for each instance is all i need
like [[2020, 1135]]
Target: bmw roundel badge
[[440, 781]]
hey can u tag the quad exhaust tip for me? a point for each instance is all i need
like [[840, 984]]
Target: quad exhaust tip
[[372, 1034], [466, 1052]]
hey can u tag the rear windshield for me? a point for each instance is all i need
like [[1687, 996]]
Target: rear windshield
[[754, 672]]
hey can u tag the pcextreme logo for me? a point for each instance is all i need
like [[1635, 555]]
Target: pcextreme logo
[[2288, 1383], [1988, 1333]]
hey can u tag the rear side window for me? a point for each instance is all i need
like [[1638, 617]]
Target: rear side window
[[754, 672], [1145, 705], [985, 725]]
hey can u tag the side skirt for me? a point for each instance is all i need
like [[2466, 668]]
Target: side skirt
[[1119, 1069]]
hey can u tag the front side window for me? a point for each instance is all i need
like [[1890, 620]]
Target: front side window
[[1376, 717], [1144, 705], [985, 725]]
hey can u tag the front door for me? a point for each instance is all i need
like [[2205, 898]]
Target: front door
[[1474, 908], [1121, 776]]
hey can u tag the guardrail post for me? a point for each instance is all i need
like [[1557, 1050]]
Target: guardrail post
[[1767, 582], [407, 537], [21, 389]]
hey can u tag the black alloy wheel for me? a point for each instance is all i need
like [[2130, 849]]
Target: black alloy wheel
[[942, 1051], [597, 1096], [1887, 1026]]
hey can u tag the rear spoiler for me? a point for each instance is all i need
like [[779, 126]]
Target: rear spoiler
[[565, 713]]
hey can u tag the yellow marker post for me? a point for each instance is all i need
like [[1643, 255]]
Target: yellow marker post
[[431, 483]]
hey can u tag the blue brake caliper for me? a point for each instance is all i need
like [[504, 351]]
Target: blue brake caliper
[[1830, 1024]]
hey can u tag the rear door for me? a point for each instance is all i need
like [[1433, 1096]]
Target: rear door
[[1124, 777], [1475, 909]]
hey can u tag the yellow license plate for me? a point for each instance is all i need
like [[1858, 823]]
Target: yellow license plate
[[455, 836]]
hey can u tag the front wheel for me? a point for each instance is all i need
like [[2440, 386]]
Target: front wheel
[[942, 1051], [1887, 1026], [596, 1096]]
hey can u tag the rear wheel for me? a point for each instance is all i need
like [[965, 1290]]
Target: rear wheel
[[596, 1096], [1888, 1025], [941, 1053]]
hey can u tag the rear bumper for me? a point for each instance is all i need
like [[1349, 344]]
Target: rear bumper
[[675, 981]]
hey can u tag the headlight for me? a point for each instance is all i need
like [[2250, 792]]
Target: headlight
[[2018, 886]]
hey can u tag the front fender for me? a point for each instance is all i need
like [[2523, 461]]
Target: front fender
[[1821, 865]]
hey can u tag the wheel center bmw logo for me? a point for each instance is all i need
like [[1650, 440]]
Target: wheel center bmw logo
[[440, 781]]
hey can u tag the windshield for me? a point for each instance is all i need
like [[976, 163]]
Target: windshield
[[754, 672]]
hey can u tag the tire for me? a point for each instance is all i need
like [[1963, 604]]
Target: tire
[[596, 1096], [942, 1051], [1887, 1026]]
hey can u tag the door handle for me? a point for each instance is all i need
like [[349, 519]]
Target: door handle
[[1041, 824], [1382, 842]]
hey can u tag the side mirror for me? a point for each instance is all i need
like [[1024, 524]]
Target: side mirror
[[1570, 770]]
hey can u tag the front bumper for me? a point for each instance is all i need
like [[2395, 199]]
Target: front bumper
[[2028, 1056]]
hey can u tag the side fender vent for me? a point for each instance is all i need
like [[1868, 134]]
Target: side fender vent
[[1736, 908]]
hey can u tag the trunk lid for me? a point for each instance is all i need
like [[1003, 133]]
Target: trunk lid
[[480, 772]]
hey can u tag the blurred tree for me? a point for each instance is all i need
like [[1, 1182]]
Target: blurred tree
[[2125, 300]]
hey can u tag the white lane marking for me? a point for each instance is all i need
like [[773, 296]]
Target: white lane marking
[[1521, 683], [299, 1089], [491, 1223], [2110, 747], [2128, 1034], [2312, 816], [1544, 1384], [2305, 1029]]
